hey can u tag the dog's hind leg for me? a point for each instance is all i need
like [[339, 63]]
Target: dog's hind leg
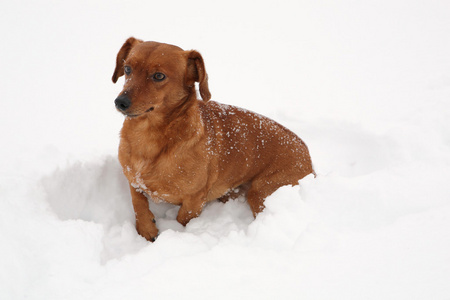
[[255, 199], [264, 186]]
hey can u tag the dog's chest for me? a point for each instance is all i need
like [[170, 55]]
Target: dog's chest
[[171, 178], [133, 171], [142, 177]]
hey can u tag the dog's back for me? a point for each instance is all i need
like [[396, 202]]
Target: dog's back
[[250, 149]]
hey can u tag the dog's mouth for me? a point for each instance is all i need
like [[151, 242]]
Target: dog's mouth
[[138, 115]]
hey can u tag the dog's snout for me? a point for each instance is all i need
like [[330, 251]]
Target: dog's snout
[[122, 102]]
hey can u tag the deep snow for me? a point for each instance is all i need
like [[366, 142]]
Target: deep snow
[[365, 84]]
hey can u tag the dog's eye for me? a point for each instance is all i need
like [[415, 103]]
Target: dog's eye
[[127, 70], [159, 77]]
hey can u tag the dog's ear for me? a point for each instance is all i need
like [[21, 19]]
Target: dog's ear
[[122, 55], [196, 73]]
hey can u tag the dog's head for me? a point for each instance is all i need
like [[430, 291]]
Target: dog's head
[[158, 77]]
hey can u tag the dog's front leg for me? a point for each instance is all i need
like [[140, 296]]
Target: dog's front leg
[[145, 220], [189, 210]]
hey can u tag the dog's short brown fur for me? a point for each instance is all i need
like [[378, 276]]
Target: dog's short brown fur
[[188, 152]]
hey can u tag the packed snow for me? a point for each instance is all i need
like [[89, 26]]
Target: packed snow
[[365, 84]]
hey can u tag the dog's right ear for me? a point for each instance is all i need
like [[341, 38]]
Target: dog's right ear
[[196, 73], [122, 55]]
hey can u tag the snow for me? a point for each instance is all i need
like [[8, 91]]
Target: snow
[[365, 84]]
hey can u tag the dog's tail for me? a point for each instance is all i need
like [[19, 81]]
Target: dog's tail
[[313, 171]]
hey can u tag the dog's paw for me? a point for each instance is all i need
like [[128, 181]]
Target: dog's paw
[[148, 230]]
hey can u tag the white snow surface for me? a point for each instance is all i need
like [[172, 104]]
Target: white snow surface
[[366, 84]]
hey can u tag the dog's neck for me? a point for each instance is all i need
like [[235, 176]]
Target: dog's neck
[[182, 124]]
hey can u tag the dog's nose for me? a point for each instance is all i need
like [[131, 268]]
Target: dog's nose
[[122, 102]]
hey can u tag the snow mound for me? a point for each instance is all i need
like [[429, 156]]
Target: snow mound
[[97, 192], [321, 228]]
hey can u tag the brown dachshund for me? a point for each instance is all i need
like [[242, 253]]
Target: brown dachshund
[[188, 152]]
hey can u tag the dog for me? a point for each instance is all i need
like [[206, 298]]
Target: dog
[[188, 152]]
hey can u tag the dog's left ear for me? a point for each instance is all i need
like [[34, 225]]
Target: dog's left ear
[[196, 73], [122, 55]]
